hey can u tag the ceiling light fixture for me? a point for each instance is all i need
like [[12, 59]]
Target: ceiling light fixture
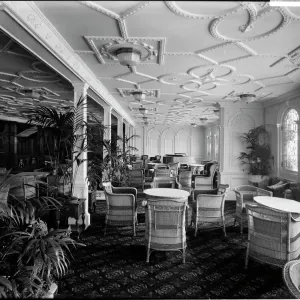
[[143, 110], [139, 95], [128, 56], [32, 94], [247, 97]]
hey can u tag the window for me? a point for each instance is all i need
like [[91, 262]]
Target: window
[[290, 140]]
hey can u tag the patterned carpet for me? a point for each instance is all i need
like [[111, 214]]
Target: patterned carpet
[[114, 266]]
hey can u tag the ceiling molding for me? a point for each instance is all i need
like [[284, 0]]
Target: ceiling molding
[[32, 19]]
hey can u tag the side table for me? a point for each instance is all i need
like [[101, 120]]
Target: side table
[[74, 209]]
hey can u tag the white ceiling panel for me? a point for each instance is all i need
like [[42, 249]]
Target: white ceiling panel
[[194, 53]]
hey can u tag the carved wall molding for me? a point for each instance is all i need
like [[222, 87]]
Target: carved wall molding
[[241, 120]]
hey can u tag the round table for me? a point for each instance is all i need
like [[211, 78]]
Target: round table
[[166, 193], [282, 204]]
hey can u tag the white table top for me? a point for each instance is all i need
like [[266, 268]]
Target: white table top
[[166, 193], [196, 165], [282, 204]]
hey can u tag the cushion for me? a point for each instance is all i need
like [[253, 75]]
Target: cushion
[[263, 184], [278, 190], [274, 185], [274, 180]]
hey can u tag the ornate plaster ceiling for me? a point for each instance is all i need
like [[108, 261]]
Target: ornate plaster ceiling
[[195, 53], [21, 73]]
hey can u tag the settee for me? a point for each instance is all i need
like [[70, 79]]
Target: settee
[[281, 188]]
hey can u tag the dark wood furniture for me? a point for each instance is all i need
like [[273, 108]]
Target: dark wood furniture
[[74, 209], [170, 158]]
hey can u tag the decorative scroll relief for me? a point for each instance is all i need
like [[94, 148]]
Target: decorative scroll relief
[[175, 79], [240, 120], [175, 8], [207, 73], [293, 12], [260, 26], [195, 86]]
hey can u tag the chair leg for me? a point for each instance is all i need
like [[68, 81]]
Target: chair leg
[[183, 256], [136, 219], [241, 225], [224, 227], [105, 226], [148, 254], [196, 228], [247, 257], [133, 223]]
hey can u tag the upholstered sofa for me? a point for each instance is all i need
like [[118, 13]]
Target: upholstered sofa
[[281, 188]]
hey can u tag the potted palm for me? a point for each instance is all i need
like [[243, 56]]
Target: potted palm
[[112, 164], [70, 133], [258, 154], [32, 256]]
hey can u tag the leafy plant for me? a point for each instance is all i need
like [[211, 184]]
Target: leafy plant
[[258, 154], [31, 255], [70, 133]]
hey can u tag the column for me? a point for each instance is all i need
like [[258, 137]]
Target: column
[[120, 132], [107, 122], [298, 150], [80, 187]]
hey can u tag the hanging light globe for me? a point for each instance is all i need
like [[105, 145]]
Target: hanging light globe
[[128, 56]]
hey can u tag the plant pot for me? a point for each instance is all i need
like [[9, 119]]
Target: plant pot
[[51, 292], [257, 178]]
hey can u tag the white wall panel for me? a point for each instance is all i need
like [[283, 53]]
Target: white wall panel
[[168, 140]]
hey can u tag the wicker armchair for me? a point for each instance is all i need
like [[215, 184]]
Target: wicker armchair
[[291, 277], [244, 195], [137, 178], [121, 206], [203, 182], [174, 167], [185, 181], [138, 165], [162, 179], [273, 236], [209, 208], [165, 226], [23, 187]]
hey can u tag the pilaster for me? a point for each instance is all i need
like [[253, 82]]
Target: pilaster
[[80, 187]]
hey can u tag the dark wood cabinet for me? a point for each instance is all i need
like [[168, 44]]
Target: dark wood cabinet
[[76, 210]]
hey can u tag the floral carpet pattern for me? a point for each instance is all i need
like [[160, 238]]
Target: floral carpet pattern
[[114, 266]]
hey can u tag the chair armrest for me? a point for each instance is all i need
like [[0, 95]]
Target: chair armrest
[[295, 217], [179, 185], [124, 190]]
